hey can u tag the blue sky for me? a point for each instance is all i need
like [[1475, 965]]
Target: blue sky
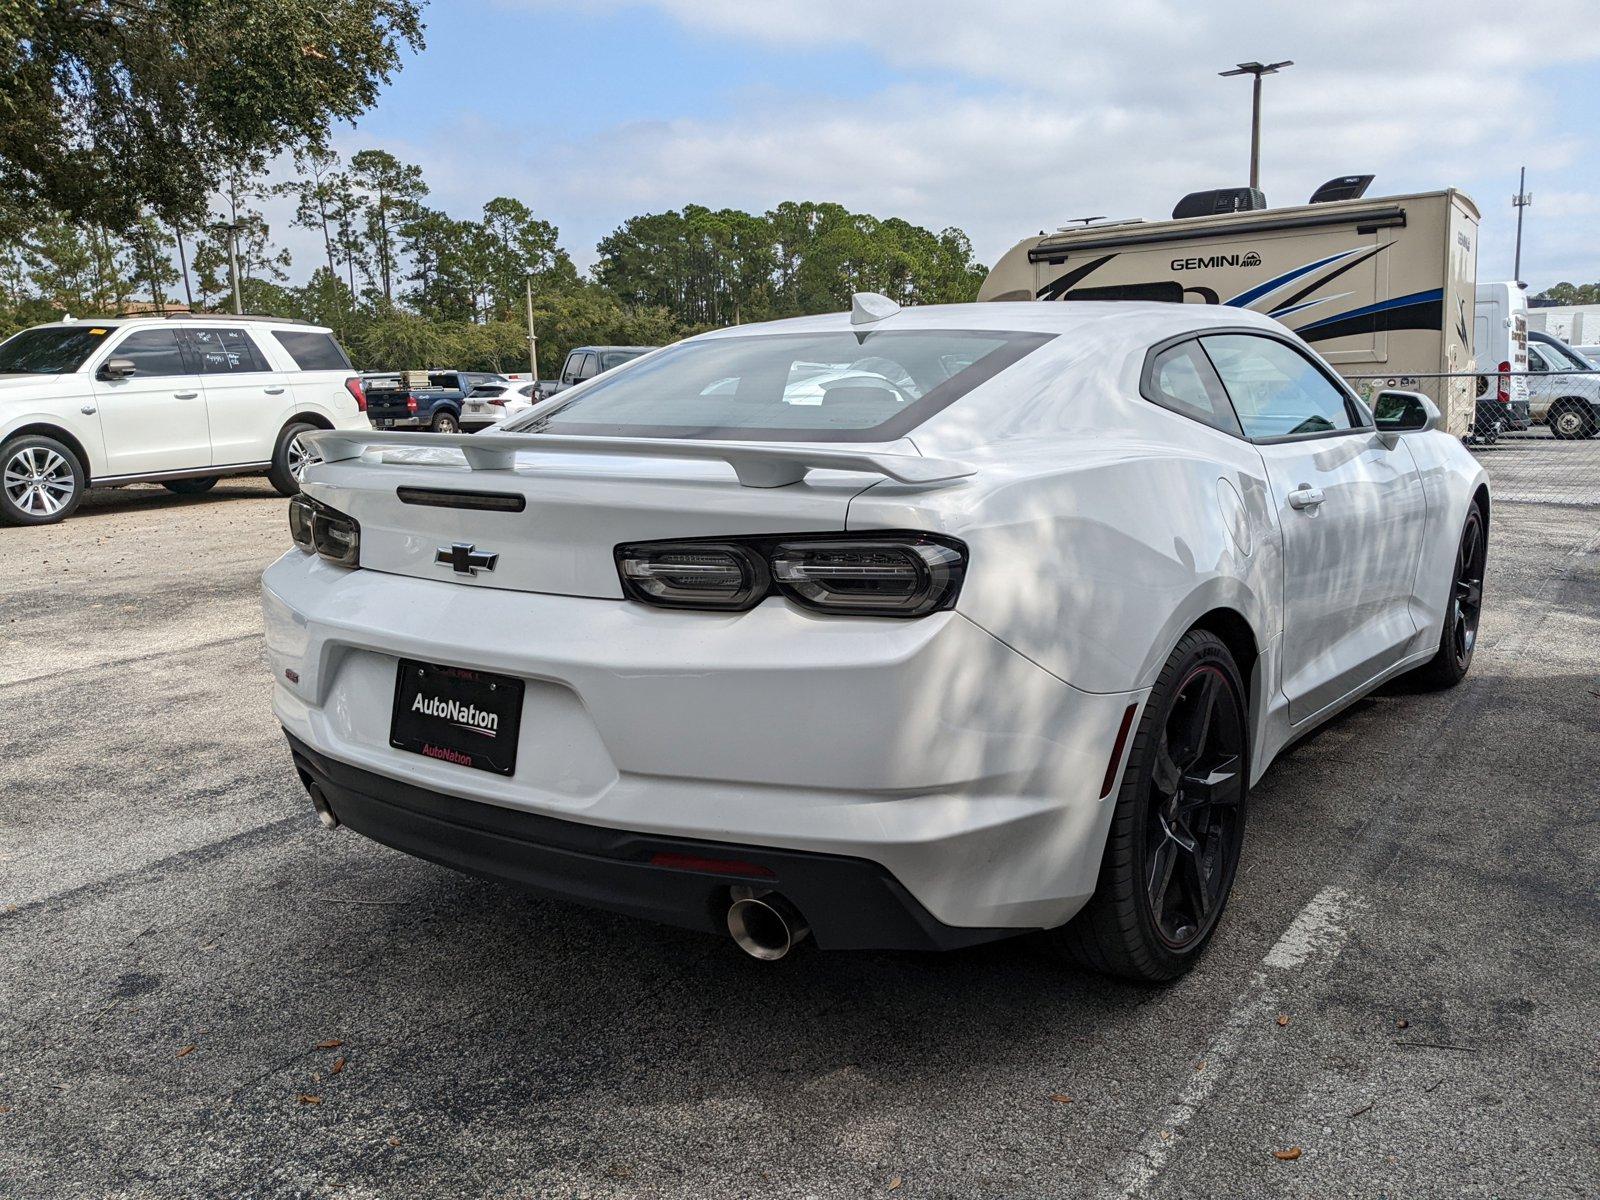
[[1000, 118]]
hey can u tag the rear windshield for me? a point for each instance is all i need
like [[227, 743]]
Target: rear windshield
[[312, 351], [835, 386], [615, 358], [54, 350]]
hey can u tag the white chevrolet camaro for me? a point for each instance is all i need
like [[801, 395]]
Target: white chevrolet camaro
[[898, 628]]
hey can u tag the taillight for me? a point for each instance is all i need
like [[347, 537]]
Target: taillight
[[500, 400], [411, 404], [353, 386], [886, 575], [1504, 393], [318, 529]]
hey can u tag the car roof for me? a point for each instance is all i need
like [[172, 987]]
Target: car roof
[[596, 349], [1114, 321]]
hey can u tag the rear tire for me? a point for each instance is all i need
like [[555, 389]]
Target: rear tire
[[191, 487], [446, 423], [1178, 828], [41, 481], [290, 458], [1459, 638]]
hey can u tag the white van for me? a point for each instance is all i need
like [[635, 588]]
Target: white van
[[1381, 287], [1500, 342]]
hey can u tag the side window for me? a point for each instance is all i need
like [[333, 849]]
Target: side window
[[1276, 391], [312, 351], [225, 351], [589, 368], [1536, 360], [153, 352], [1182, 379], [569, 370]]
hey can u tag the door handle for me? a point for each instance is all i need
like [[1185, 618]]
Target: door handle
[[1305, 496], [88, 410], [184, 395], [274, 391]]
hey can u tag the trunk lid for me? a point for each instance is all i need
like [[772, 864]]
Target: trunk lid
[[574, 510]]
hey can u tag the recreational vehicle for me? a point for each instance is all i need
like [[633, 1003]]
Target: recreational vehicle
[[1384, 288]]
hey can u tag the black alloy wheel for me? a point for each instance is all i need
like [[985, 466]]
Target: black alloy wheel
[[1194, 819], [1178, 828], [1463, 608]]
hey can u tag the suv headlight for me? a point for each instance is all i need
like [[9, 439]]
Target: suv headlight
[[318, 529], [877, 574]]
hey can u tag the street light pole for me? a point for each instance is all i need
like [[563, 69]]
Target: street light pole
[[533, 338], [1257, 70]]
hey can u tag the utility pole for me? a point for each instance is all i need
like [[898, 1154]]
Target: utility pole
[[183, 261], [233, 261], [1521, 200], [1257, 70], [533, 338]]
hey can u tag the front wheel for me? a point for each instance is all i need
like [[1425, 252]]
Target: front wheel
[[1178, 828], [1459, 637], [41, 481], [1571, 422]]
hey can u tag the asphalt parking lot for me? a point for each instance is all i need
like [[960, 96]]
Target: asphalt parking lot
[[203, 993]]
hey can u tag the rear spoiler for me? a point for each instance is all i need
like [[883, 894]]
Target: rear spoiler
[[758, 464]]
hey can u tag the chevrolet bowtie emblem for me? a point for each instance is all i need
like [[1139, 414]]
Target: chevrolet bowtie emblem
[[464, 558]]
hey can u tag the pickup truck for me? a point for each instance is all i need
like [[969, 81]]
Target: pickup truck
[[422, 399], [585, 362]]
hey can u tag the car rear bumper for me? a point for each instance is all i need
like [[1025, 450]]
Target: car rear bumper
[[407, 422], [970, 776], [849, 903]]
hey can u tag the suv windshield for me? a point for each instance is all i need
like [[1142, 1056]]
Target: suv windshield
[[835, 386], [50, 350]]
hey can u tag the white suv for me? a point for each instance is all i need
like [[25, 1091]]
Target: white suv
[[180, 401]]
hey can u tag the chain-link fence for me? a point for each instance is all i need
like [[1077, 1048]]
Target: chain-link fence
[[1535, 432]]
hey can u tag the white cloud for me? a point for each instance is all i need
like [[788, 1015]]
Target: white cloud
[[1013, 115]]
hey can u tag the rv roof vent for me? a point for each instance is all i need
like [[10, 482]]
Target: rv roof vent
[[1346, 187], [1222, 200], [1100, 224]]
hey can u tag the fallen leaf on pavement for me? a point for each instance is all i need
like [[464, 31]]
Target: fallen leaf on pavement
[[329, 1044], [1402, 1023], [394, 1141], [894, 1184], [338, 1065], [186, 1051], [1283, 1019], [305, 1099], [1289, 1155], [1061, 1097]]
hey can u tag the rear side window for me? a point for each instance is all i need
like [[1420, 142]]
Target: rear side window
[[1182, 379], [312, 351], [225, 352], [1276, 390]]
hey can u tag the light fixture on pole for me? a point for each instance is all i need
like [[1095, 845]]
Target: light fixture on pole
[[1257, 70]]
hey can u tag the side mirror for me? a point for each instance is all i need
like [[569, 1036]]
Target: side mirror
[[1396, 412], [118, 368]]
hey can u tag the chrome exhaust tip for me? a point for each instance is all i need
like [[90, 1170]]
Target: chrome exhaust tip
[[765, 925], [320, 803]]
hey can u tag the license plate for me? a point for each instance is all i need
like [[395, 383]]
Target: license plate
[[385, 424], [457, 715]]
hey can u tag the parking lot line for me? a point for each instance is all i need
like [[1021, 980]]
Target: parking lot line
[[1307, 947]]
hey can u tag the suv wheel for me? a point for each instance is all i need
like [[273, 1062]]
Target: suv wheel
[[446, 423], [1178, 828], [41, 481], [1571, 420], [291, 457]]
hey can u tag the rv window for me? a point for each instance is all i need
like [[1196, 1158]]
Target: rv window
[[1181, 379], [1276, 390]]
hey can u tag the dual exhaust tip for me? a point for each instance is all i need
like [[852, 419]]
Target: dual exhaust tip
[[764, 924]]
